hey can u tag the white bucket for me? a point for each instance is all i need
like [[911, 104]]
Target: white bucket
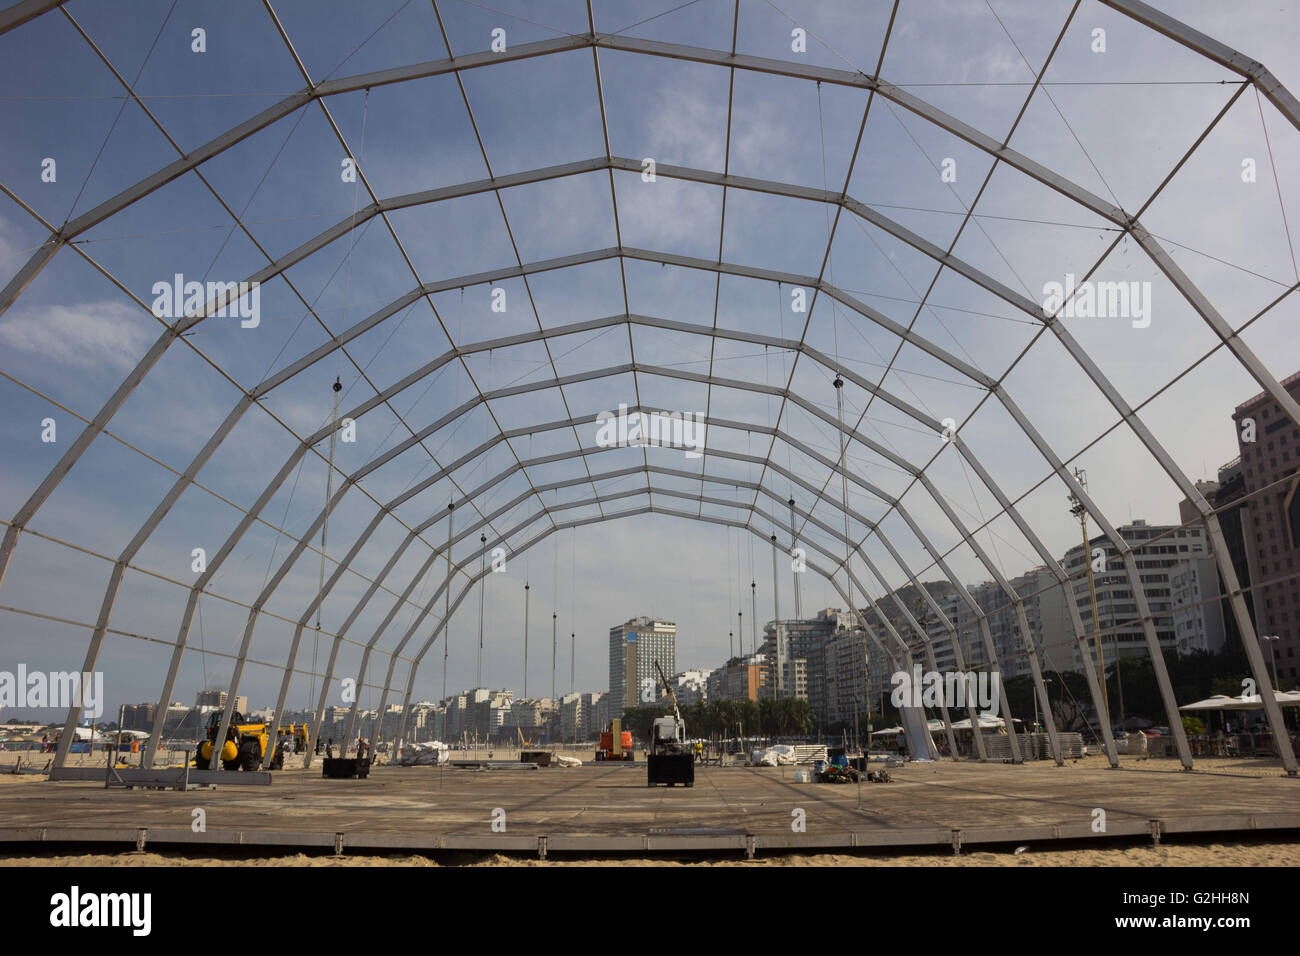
[[801, 776]]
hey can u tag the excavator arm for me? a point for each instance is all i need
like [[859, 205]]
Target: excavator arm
[[671, 696]]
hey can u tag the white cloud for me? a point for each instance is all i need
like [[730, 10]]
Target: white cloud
[[685, 123], [89, 335]]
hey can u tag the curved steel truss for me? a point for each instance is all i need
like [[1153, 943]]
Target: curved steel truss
[[458, 536]]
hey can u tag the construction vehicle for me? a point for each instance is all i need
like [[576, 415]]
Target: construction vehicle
[[292, 732], [615, 743], [246, 743], [670, 758]]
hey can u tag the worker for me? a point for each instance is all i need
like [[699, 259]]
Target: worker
[[329, 749]]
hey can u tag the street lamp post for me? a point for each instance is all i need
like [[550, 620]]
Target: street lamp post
[[1272, 661], [1078, 509], [1046, 681]]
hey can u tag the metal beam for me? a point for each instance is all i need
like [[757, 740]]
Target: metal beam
[[1130, 571], [1220, 53], [850, 78], [254, 124], [15, 16]]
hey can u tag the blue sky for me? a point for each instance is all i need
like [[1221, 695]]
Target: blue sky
[[1115, 123]]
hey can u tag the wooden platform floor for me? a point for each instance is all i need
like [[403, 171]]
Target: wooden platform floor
[[601, 808]]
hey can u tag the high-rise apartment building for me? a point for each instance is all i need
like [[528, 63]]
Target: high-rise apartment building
[[634, 648], [802, 642], [217, 698], [578, 716], [1235, 520], [1198, 615], [1156, 550], [1270, 456]]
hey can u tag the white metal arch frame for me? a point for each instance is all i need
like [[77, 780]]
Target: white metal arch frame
[[649, 509], [583, 480], [902, 645], [802, 348], [767, 340], [788, 344], [849, 301], [286, 470], [837, 563], [1251, 71], [829, 575], [278, 576], [388, 311], [711, 421]]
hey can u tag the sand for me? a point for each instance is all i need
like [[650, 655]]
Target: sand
[[1233, 766], [1195, 854]]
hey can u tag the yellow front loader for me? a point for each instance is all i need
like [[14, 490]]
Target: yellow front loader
[[246, 743]]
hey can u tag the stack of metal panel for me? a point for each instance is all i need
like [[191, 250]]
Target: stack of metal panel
[[1035, 746], [809, 753], [1071, 745], [997, 747]]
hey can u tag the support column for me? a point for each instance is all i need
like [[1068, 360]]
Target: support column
[[943, 708], [446, 605], [482, 588], [1250, 642], [778, 644], [794, 568]]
